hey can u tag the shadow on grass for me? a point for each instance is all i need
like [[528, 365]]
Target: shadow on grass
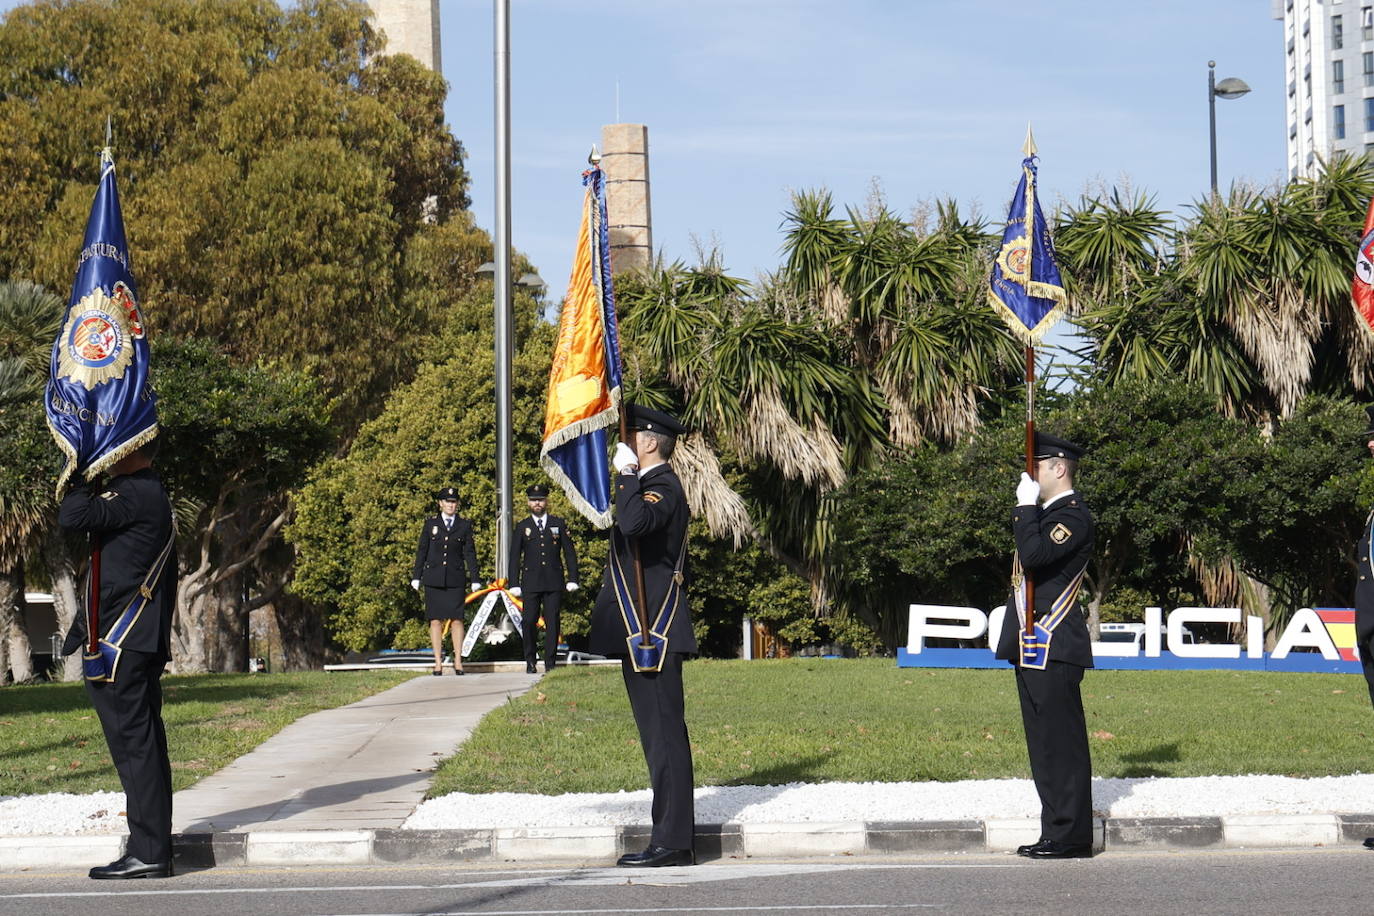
[[1142, 763], [798, 769], [38, 699]]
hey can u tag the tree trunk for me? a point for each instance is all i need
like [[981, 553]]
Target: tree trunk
[[17, 635], [9, 595], [65, 604], [301, 627]]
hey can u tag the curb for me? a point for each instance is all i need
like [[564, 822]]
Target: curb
[[600, 845]]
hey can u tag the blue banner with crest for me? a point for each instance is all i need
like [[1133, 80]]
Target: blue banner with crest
[[1025, 286], [99, 401]]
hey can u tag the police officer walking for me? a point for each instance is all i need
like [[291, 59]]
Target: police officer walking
[[1054, 543], [651, 509], [446, 566], [132, 518], [540, 546]]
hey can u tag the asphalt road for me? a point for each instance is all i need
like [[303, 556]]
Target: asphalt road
[[1255, 883]]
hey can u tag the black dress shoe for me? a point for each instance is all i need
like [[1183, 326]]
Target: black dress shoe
[[1053, 849], [657, 857], [1026, 850], [130, 867], [530, 669], [1369, 842], [459, 671]]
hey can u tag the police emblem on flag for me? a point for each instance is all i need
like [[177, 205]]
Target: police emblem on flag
[[1014, 258], [95, 345], [1364, 260]]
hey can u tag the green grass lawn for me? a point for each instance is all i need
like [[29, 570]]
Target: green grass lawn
[[50, 739], [812, 720]]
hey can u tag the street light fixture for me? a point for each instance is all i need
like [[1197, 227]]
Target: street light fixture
[[1229, 88]]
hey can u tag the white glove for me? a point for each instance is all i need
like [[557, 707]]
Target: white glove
[[1027, 491], [415, 584], [624, 458], [476, 586], [573, 586], [514, 590]]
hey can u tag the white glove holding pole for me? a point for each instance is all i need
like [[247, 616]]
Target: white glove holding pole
[[476, 586], [573, 586], [1027, 491], [624, 458], [415, 584], [514, 590]]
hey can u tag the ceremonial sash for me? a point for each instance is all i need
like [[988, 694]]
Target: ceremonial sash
[[1035, 646], [646, 657], [101, 664]]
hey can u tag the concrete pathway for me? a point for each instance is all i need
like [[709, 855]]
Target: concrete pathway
[[359, 767]]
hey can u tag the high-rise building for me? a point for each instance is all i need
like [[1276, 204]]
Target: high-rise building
[[1329, 76], [411, 27]]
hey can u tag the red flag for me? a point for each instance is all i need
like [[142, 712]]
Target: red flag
[[1362, 288]]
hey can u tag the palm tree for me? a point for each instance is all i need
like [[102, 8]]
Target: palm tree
[[29, 319], [873, 337]]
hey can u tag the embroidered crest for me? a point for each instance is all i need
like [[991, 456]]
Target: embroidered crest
[[528, 532], [97, 342], [1014, 256], [652, 496], [434, 530], [1060, 533]]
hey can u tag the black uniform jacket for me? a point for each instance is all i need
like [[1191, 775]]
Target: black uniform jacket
[[1054, 545], [444, 558], [1364, 588], [652, 508], [538, 558], [133, 518]]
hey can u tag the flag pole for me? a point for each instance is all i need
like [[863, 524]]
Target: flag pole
[[1029, 149], [641, 600], [1031, 470]]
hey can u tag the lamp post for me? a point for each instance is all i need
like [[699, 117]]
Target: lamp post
[[505, 342], [1229, 88]]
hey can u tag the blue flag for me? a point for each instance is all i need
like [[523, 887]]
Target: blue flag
[[99, 402], [1025, 286], [584, 380]]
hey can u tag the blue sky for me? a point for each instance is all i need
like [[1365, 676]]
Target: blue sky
[[747, 100]]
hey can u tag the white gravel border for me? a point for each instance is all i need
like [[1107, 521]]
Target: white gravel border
[[796, 803]]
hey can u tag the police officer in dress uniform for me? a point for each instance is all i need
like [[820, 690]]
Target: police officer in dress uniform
[[446, 565], [651, 508], [132, 518], [540, 545], [1054, 543], [1364, 591]]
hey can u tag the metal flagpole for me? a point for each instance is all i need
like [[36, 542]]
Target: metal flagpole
[[505, 337], [1031, 470], [1029, 149]]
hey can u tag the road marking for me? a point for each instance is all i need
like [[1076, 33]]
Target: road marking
[[662, 877]]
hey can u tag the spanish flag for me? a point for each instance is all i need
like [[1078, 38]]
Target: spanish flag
[[584, 382]]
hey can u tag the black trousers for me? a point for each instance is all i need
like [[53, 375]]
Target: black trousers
[[1057, 739], [548, 604], [130, 712], [656, 700]]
